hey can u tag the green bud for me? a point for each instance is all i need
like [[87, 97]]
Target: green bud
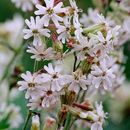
[[85, 66], [94, 29]]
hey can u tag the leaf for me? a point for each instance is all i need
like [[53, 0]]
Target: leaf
[[4, 124]]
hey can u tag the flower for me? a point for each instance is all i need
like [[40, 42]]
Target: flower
[[77, 80], [54, 77], [32, 84], [102, 75], [26, 5], [40, 53], [35, 103], [74, 7], [90, 19], [50, 12], [64, 30], [97, 125], [35, 123], [15, 118], [50, 97], [35, 30]]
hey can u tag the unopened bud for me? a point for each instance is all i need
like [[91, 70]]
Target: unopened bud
[[35, 123], [58, 46], [68, 97], [85, 66], [94, 29], [50, 124], [62, 114]]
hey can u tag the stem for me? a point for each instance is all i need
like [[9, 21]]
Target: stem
[[68, 121], [13, 60], [35, 68], [27, 120], [7, 45], [107, 7], [75, 61]]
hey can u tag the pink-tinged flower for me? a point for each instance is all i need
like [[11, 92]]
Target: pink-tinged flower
[[25, 5], [50, 12], [64, 30], [50, 97], [36, 30], [98, 122], [40, 53], [32, 84], [54, 77], [103, 75], [35, 103], [77, 81]]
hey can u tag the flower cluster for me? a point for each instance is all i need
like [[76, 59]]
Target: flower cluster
[[94, 44]]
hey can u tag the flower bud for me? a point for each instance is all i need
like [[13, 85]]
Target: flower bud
[[68, 97], [85, 66], [35, 123], [58, 46], [94, 29], [50, 124], [62, 114]]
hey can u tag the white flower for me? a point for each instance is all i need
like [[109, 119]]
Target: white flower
[[100, 112], [36, 1], [50, 12], [96, 126], [25, 5], [50, 97], [35, 123], [35, 103], [32, 84], [77, 81], [40, 53], [102, 75], [125, 5], [89, 19], [74, 6], [77, 26], [64, 31], [35, 30], [54, 77], [15, 118], [11, 35]]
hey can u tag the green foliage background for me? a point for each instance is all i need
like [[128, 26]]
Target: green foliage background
[[7, 10]]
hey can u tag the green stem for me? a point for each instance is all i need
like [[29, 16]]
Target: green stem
[[75, 61], [68, 121], [7, 45], [107, 8], [27, 120], [12, 61]]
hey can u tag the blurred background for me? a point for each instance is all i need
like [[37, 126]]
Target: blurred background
[[117, 105]]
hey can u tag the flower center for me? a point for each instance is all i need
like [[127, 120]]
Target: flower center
[[35, 31], [49, 92], [55, 76], [50, 11], [31, 85]]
